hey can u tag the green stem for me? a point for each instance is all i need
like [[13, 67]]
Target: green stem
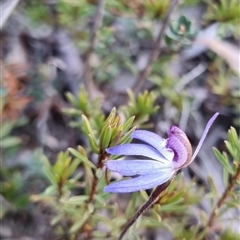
[[223, 198]]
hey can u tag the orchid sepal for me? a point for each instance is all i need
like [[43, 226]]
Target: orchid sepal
[[166, 157]]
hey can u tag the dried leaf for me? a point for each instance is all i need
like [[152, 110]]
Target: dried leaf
[[229, 52]]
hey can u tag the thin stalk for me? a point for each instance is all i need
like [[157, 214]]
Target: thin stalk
[[101, 157], [154, 197], [88, 75], [223, 198], [156, 51]]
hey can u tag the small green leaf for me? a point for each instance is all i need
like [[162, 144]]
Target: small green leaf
[[6, 128], [86, 125], [225, 177], [131, 205], [106, 137], [127, 137], [56, 219], [212, 186], [99, 235], [8, 142], [72, 167], [223, 160], [117, 120], [82, 151], [232, 204], [128, 124], [93, 144], [50, 190], [49, 174], [176, 197], [117, 133], [75, 200], [99, 173], [231, 149], [71, 98], [84, 217], [106, 125], [72, 112], [101, 200], [174, 207], [232, 136], [81, 157], [111, 116]]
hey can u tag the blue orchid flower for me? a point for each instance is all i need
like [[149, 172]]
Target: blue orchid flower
[[164, 157]]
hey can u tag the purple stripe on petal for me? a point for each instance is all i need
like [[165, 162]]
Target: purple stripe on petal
[[140, 183], [155, 141], [181, 146], [137, 150], [134, 167]]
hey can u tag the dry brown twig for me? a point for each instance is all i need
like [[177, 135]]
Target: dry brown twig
[[156, 51], [88, 75]]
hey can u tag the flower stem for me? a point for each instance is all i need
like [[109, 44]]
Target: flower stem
[[147, 205], [223, 198]]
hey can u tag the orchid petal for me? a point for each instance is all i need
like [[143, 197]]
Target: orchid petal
[[134, 167], [142, 182], [209, 124], [137, 150], [155, 141]]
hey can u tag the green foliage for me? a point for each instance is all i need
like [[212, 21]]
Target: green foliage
[[75, 178], [80, 171], [170, 212], [181, 33], [37, 11], [90, 109], [225, 85], [70, 173], [68, 12], [7, 141], [64, 178], [166, 87], [140, 106], [229, 199], [229, 235], [12, 183], [103, 132], [223, 10], [156, 9], [227, 13], [233, 147], [13, 190], [15, 184]]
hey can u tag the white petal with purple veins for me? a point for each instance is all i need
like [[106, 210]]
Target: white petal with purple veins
[[137, 150], [135, 167], [142, 182]]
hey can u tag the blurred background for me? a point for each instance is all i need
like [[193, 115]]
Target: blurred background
[[187, 58]]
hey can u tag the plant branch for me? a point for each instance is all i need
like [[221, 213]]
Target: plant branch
[[223, 198], [101, 157], [156, 51], [88, 75], [147, 205]]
